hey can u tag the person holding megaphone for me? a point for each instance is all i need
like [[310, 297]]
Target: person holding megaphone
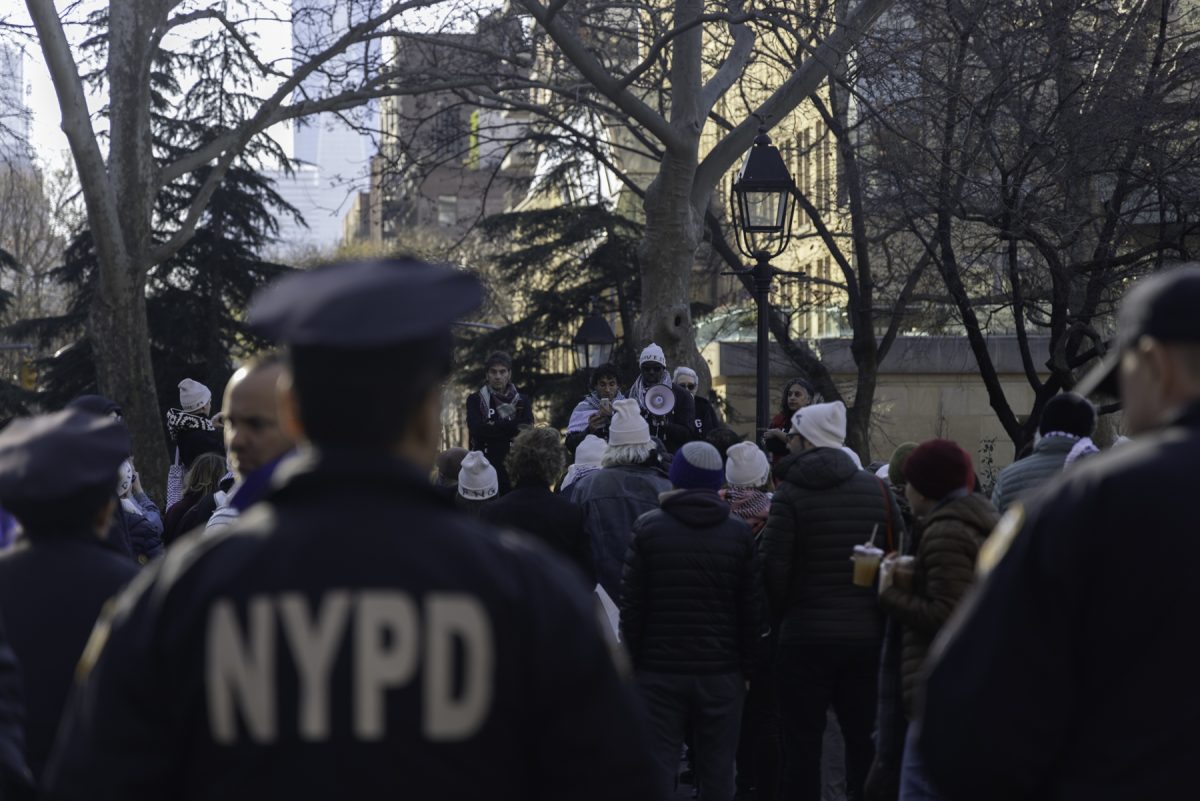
[[669, 410]]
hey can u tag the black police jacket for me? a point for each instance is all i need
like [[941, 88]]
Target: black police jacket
[[353, 637], [52, 588], [1069, 673], [691, 591]]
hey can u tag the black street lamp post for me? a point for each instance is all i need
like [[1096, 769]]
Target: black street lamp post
[[593, 343], [762, 199]]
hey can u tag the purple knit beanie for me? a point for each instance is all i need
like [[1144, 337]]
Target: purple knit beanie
[[697, 465]]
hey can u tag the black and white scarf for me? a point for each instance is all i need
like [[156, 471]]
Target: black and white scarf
[[488, 399], [179, 420]]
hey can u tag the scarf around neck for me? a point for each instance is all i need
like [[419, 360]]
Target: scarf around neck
[[489, 398]]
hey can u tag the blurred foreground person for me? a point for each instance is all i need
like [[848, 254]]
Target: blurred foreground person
[[352, 635], [57, 474], [1070, 673]]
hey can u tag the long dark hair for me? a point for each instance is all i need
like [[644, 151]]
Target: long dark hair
[[784, 410]]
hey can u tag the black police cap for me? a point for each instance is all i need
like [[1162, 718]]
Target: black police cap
[[55, 456], [1163, 306], [364, 304]]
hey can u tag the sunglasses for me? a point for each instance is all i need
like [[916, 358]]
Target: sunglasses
[[688, 387]]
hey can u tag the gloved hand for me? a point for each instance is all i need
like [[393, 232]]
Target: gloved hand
[[883, 782]]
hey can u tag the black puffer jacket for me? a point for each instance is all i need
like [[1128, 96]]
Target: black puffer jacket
[[823, 507], [691, 591], [944, 568]]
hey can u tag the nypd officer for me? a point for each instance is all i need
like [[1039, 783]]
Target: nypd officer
[[352, 636], [58, 476], [1070, 673]]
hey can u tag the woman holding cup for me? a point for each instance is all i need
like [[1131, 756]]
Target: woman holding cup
[[924, 589]]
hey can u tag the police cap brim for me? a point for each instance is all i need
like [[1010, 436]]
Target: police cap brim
[[52, 457], [364, 304]]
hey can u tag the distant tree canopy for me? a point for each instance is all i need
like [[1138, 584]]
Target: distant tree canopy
[[195, 300], [559, 264]]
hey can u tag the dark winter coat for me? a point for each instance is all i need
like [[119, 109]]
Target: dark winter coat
[[707, 420], [1026, 475], [823, 507], [202, 510], [16, 782], [52, 587], [948, 543], [690, 594], [194, 435], [558, 523], [1069, 671], [173, 522], [355, 553], [144, 534]]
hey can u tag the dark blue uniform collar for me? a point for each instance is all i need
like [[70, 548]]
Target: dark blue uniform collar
[[1189, 416], [310, 468]]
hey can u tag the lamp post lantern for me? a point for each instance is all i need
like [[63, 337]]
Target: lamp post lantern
[[762, 200], [593, 343]]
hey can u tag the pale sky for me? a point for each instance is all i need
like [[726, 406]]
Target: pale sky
[[46, 133], [274, 43]]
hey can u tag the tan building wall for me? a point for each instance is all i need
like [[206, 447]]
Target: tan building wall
[[928, 387]]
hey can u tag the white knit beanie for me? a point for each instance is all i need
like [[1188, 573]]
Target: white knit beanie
[[477, 480], [822, 424], [746, 465], [653, 353], [628, 427], [193, 395], [681, 370], [590, 451]]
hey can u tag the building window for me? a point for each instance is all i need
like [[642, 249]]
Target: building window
[[447, 209]]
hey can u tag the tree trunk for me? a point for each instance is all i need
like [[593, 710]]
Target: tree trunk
[[667, 252], [120, 337], [118, 326]]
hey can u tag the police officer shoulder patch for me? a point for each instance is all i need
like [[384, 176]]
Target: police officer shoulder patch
[[1001, 540]]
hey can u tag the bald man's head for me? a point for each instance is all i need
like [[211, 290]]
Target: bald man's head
[[253, 435]]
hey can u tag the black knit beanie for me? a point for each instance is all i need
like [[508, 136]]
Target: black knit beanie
[[1070, 414]]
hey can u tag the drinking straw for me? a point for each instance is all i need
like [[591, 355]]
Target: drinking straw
[[874, 531]]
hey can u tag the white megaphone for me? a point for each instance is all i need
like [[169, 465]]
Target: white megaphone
[[660, 400]]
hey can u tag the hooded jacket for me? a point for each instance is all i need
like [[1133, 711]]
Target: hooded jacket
[[690, 593], [823, 507], [948, 545], [1019, 478]]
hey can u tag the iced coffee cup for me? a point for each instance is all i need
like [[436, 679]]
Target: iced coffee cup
[[866, 561]]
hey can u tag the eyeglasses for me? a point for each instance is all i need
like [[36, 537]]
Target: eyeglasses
[[688, 387]]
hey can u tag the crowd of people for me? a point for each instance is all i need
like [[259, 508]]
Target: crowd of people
[[329, 605]]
